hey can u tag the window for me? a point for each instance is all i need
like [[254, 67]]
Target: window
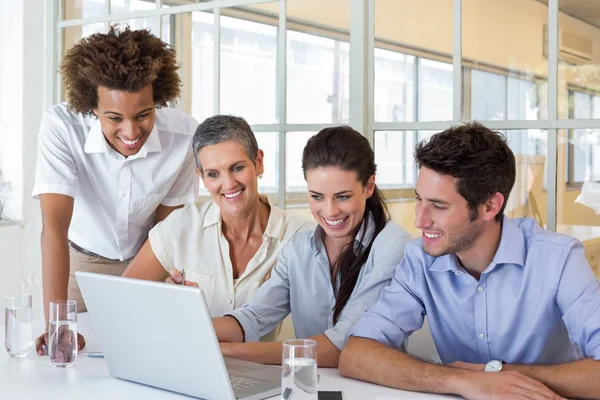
[[11, 111], [584, 144]]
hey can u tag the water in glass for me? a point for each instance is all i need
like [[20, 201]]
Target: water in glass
[[299, 379], [62, 342], [19, 339]]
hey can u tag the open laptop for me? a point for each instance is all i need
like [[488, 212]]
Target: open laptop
[[162, 335]]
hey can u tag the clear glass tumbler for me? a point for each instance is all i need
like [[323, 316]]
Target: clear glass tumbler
[[17, 324], [62, 333], [299, 370]]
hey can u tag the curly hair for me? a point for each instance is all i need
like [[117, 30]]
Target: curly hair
[[479, 157], [123, 59]]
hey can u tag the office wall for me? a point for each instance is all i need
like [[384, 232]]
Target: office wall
[[20, 260]]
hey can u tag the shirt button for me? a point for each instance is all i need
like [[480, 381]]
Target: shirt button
[[456, 273], [124, 195], [265, 238], [481, 336], [480, 289], [230, 301]]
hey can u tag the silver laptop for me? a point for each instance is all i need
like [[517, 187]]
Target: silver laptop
[[162, 335]]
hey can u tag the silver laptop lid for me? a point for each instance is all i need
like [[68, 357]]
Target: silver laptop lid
[[156, 334]]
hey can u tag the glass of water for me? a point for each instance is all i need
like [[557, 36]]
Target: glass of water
[[62, 333], [17, 324], [299, 370]]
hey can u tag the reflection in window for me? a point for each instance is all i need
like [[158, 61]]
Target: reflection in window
[[294, 146], [584, 144], [394, 86], [318, 79], [512, 97], [248, 70], [435, 90]]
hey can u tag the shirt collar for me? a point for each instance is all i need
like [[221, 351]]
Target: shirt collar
[[275, 224], [510, 251], [361, 240], [96, 142]]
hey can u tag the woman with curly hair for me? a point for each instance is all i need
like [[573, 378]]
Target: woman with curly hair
[[113, 161]]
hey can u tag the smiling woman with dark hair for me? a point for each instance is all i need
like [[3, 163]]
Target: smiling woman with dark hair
[[113, 161], [327, 276]]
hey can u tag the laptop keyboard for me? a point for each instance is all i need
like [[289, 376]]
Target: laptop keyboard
[[239, 382]]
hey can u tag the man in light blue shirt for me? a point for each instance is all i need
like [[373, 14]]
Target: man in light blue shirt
[[501, 295]]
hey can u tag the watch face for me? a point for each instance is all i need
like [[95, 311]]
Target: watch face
[[493, 366]]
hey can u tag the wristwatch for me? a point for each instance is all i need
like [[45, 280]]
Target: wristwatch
[[494, 366]]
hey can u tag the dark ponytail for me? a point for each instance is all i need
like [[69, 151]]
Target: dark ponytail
[[345, 148]]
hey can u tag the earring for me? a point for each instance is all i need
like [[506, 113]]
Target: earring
[[259, 176]]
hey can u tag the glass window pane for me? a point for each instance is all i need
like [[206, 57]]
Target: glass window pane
[[394, 159], [394, 156], [268, 142], [394, 86], [523, 98], [76, 9], [192, 36], [578, 51], [317, 61], [507, 36], [405, 37], [248, 70], [581, 140], [123, 6], [150, 24], [294, 146], [435, 90], [528, 197], [318, 72], [483, 106]]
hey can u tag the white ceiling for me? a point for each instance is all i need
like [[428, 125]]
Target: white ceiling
[[585, 10]]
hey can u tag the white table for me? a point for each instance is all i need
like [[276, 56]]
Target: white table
[[34, 377]]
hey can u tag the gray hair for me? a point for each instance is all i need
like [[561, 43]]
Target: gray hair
[[222, 128]]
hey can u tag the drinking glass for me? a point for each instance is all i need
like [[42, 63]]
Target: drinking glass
[[17, 324], [299, 370], [62, 333]]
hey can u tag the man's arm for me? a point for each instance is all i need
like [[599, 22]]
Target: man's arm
[[371, 361], [578, 379], [57, 210]]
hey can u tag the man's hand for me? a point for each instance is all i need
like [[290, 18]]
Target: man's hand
[[505, 385], [175, 278], [42, 341]]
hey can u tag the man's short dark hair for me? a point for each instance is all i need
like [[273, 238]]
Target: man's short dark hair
[[479, 157]]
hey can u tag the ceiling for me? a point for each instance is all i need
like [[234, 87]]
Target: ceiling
[[585, 10]]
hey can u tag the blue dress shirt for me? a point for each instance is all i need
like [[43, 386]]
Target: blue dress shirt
[[300, 283], [538, 302]]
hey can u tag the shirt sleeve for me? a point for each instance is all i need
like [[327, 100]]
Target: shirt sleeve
[[578, 299], [399, 311], [56, 171], [368, 289], [185, 186], [271, 303], [159, 245]]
